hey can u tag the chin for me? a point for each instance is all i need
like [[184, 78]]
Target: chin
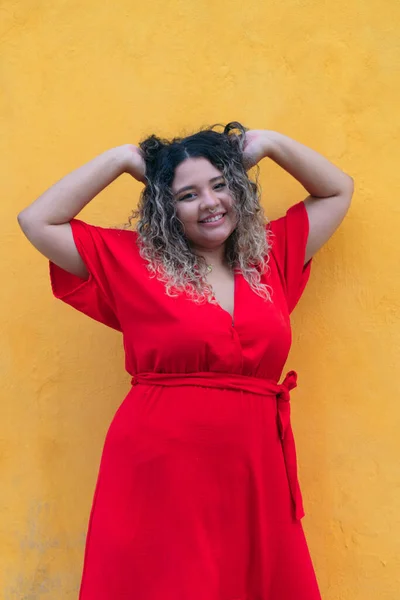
[[212, 241]]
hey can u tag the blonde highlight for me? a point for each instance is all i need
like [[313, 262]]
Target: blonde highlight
[[161, 237]]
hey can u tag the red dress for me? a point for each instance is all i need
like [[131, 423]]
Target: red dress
[[197, 495]]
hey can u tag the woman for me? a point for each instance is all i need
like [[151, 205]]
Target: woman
[[197, 495]]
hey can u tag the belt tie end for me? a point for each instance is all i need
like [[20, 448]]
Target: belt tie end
[[287, 440]]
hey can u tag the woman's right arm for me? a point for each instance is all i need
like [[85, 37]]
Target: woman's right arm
[[46, 222]]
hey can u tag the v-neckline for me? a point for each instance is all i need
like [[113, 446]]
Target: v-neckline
[[233, 316]]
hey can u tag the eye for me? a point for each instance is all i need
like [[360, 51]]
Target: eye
[[219, 185], [186, 197]]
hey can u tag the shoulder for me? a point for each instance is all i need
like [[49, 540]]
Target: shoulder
[[106, 232], [287, 241], [295, 217], [289, 230], [104, 237]]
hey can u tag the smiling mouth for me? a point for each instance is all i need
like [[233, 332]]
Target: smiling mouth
[[213, 219]]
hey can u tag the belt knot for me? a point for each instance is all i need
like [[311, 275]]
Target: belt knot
[[283, 400], [265, 387], [287, 439]]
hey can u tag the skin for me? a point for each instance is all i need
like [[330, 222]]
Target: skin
[[46, 222], [207, 196]]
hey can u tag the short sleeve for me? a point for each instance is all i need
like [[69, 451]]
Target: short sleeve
[[288, 248], [92, 296]]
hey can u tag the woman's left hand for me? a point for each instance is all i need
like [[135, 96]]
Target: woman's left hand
[[257, 145]]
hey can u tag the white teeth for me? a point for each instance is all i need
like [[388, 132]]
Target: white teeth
[[212, 219]]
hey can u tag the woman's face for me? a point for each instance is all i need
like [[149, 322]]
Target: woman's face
[[201, 194]]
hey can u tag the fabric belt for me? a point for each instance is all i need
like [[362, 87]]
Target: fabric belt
[[253, 385]]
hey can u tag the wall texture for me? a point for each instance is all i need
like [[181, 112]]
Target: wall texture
[[77, 79]]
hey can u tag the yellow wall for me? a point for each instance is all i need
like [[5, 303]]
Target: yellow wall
[[77, 79]]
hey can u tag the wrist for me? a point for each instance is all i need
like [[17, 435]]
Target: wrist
[[120, 156], [270, 142]]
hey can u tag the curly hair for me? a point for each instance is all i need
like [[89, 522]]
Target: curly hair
[[161, 237]]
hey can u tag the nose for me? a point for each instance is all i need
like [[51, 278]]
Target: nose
[[209, 200]]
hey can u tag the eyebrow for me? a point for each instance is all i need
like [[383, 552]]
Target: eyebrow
[[190, 187]]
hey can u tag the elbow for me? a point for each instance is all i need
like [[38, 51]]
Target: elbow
[[347, 190], [21, 218], [350, 185], [26, 221]]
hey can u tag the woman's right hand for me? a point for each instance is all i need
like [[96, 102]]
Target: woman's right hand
[[133, 162]]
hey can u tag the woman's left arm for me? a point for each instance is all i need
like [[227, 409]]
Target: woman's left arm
[[330, 189]]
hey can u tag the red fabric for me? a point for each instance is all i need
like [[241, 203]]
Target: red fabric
[[197, 496]]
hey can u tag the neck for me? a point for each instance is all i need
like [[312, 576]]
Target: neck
[[214, 256]]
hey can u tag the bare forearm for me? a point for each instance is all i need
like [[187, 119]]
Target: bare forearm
[[316, 173], [66, 198]]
